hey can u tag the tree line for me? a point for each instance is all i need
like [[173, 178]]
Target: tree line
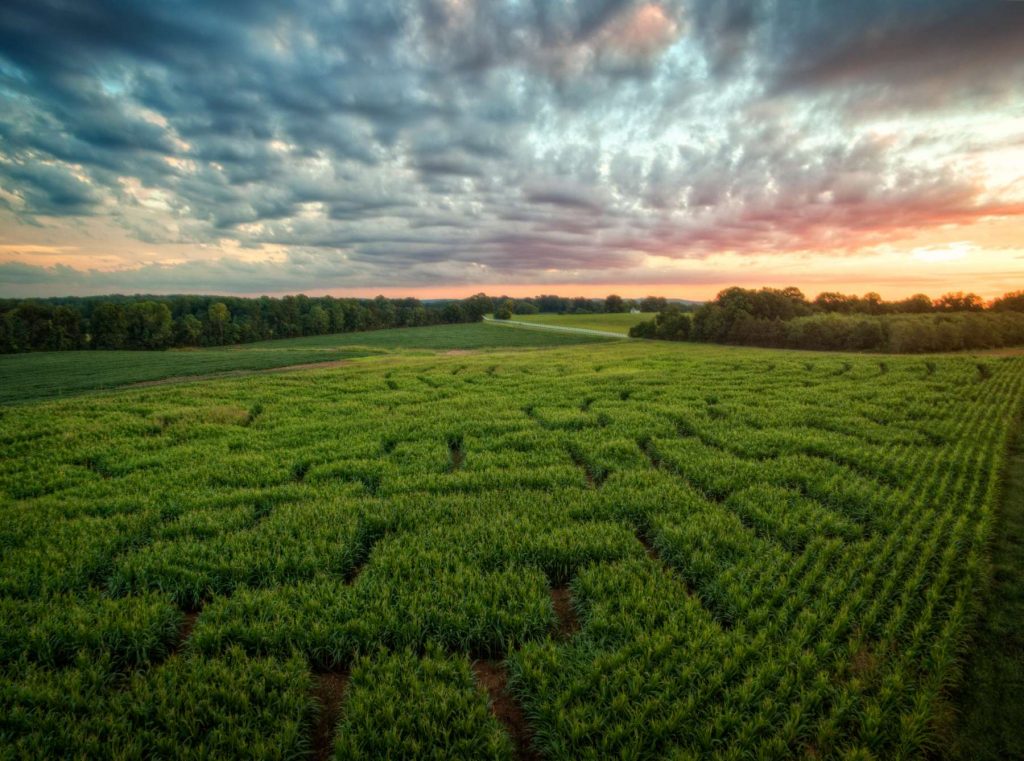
[[505, 307], [162, 322], [785, 318]]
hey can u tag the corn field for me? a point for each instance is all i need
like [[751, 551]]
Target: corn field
[[618, 550]]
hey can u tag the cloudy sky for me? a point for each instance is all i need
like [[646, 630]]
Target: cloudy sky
[[441, 147]]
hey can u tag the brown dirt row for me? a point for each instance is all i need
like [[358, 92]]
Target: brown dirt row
[[493, 677], [328, 691], [568, 623]]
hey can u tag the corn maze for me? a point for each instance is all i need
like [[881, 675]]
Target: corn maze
[[612, 551]]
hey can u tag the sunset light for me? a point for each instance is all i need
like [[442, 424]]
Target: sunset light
[[444, 148], [512, 380]]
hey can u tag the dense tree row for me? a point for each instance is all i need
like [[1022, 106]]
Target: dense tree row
[[160, 322], [505, 307], [785, 318]]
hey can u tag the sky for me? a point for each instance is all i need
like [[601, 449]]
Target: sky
[[438, 148]]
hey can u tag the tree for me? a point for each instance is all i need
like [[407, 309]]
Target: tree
[[67, 329], [218, 316], [833, 301], [669, 325], [188, 330], [475, 307], [109, 326], [548, 303], [614, 303], [318, 321], [149, 325], [1010, 302], [382, 312], [505, 310], [580, 305], [919, 303], [7, 343], [32, 327], [654, 304], [872, 303], [672, 325], [452, 313], [959, 302]]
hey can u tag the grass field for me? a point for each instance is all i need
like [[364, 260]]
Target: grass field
[[48, 374], [621, 550], [613, 323]]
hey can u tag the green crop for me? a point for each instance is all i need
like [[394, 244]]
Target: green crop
[[230, 707], [39, 375], [405, 706], [764, 556]]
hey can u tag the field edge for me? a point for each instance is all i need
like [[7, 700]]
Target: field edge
[[989, 702]]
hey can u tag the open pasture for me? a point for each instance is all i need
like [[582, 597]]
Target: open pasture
[[613, 551], [40, 375]]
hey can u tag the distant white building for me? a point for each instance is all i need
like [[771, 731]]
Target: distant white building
[[634, 310]]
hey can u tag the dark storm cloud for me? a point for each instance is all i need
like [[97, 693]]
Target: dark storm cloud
[[49, 189], [726, 28], [446, 138], [916, 51]]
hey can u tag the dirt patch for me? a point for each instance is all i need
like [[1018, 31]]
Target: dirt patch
[[595, 475], [238, 373], [647, 447], [568, 623], [456, 453], [186, 630], [493, 677], [457, 352], [328, 690], [648, 547], [864, 664]]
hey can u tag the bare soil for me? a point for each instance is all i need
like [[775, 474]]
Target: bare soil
[[494, 678], [568, 623], [648, 547], [328, 690]]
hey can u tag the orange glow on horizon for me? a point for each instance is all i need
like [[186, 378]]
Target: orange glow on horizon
[[985, 257], [702, 292]]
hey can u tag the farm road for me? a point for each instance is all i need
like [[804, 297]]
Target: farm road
[[559, 328]]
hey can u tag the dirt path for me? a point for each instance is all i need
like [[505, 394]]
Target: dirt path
[[493, 677], [559, 328]]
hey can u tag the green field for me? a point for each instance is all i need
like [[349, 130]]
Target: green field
[[612, 323], [620, 550], [47, 374]]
